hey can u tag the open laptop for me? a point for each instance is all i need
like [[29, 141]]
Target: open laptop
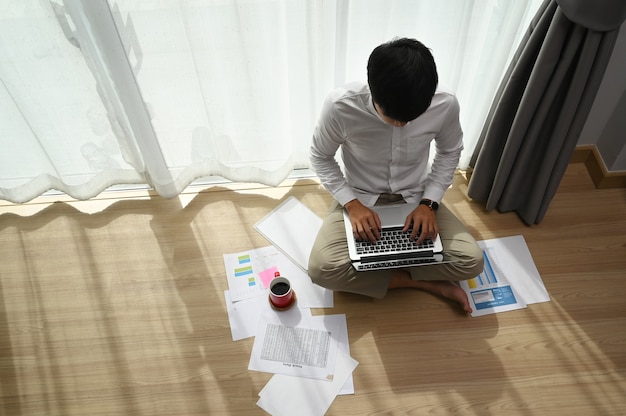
[[395, 249]]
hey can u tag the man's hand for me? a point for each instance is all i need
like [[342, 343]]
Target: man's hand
[[365, 222], [424, 222]]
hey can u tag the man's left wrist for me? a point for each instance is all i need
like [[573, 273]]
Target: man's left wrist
[[433, 205]]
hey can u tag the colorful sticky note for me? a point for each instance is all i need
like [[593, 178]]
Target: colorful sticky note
[[266, 276]]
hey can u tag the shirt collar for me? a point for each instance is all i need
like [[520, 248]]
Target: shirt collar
[[371, 109]]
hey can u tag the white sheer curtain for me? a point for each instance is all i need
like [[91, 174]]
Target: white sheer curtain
[[95, 93]]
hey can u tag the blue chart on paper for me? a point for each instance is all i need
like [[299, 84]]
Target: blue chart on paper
[[490, 298], [485, 297]]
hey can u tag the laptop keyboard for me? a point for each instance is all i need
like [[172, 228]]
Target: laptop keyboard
[[394, 264], [392, 240]]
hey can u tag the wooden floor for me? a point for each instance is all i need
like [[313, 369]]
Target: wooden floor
[[115, 306]]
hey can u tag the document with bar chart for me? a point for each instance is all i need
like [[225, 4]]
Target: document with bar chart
[[509, 279], [245, 271]]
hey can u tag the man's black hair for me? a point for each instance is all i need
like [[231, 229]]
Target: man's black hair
[[402, 76]]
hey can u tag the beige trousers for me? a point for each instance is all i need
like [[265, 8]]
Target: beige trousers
[[330, 267]]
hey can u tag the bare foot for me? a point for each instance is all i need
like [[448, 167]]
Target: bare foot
[[443, 288], [452, 291]]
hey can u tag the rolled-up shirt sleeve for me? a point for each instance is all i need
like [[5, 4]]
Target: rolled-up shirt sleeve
[[448, 146], [328, 137]]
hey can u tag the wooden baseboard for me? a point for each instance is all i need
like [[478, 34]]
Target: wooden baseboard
[[601, 177]]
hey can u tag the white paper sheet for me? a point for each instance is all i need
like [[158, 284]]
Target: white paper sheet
[[244, 271], [510, 279], [244, 315], [288, 396], [291, 227], [307, 348], [250, 272], [343, 346]]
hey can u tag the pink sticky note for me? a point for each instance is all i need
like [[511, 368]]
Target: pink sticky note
[[267, 276]]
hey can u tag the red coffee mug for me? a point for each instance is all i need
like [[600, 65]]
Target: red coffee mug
[[282, 295]]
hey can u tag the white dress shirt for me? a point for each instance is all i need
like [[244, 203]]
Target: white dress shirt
[[380, 158]]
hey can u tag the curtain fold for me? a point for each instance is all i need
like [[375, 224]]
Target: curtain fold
[[96, 93], [538, 114]]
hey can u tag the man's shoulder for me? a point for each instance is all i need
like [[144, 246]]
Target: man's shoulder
[[445, 94], [351, 99], [445, 98], [351, 91]]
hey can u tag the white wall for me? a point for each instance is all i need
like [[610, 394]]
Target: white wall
[[606, 124]]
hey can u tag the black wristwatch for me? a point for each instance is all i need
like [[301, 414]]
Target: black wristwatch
[[430, 204]]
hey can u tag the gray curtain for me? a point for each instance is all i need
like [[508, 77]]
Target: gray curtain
[[542, 104]]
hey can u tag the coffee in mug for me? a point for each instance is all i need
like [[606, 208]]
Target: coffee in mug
[[282, 295]]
